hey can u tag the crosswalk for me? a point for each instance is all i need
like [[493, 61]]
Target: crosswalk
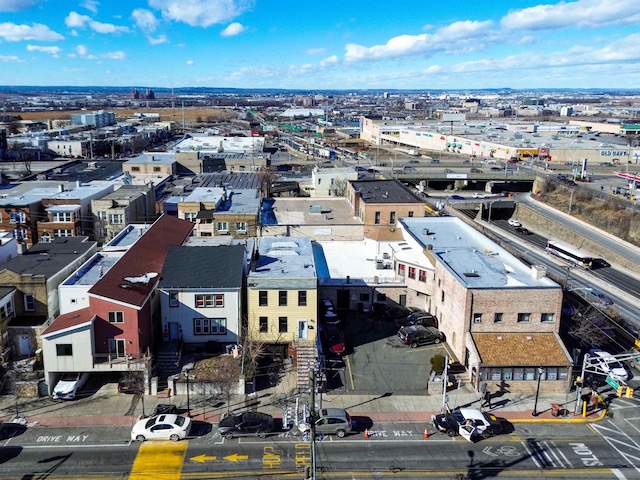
[[546, 455]]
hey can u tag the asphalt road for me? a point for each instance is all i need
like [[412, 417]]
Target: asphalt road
[[603, 450]]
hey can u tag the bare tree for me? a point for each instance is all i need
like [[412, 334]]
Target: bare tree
[[340, 188], [590, 328], [222, 372], [267, 177], [134, 380]]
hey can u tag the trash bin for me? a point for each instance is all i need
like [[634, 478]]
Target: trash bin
[[555, 409]]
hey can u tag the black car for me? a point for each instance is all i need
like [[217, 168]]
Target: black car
[[415, 335], [522, 231], [11, 429], [334, 340], [420, 317], [246, 424]]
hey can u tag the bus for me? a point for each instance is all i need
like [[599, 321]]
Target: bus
[[570, 254]]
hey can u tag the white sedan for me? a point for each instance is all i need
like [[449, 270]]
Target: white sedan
[[161, 427], [479, 195], [609, 365], [514, 223], [68, 385]]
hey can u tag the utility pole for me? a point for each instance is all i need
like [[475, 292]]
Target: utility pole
[[445, 381], [312, 422]]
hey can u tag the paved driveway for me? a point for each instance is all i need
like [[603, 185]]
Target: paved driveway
[[379, 363]]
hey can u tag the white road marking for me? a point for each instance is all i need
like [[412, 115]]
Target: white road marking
[[618, 474], [531, 455], [563, 455]]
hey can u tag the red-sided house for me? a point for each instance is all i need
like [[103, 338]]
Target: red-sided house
[[116, 331]]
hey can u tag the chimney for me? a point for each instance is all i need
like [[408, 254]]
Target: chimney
[[22, 248], [538, 272], [60, 187]]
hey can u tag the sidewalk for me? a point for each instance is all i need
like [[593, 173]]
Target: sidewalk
[[108, 408]]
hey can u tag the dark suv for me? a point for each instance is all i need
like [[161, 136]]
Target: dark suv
[[246, 424], [415, 335], [419, 317]]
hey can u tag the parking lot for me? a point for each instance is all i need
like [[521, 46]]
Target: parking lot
[[378, 362]]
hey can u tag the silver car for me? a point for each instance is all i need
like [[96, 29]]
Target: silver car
[[334, 421]]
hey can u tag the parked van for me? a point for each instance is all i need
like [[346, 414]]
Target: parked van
[[334, 421]]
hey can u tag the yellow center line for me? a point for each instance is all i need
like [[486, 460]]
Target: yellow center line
[[160, 460]]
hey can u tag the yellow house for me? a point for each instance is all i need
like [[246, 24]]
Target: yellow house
[[282, 302]]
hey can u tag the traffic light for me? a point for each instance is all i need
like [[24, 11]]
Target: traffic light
[[629, 393], [620, 391]]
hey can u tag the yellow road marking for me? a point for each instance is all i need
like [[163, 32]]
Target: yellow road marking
[[160, 460], [203, 458], [235, 457], [350, 373]]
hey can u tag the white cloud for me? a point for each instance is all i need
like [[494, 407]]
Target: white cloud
[[581, 14], [332, 60], [157, 40], [233, 29], [459, 36], [53, 51], [100, 27], [115, 55], [189, 62], [16, 33], [91, 5], [145, 20], [16, 5], [315, 51], [75, 20], [201, 13], [82, 50], [10, 59]]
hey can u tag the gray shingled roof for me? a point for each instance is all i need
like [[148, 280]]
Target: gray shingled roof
[[49, 258], [203, 267]]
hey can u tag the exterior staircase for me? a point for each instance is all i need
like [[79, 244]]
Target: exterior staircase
[[306, 355], [167, 364]]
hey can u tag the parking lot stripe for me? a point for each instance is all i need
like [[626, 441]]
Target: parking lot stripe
[[350, 372], [159, 459]]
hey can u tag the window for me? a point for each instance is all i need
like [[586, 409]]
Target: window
[[392, 218], [422, 275], [282, 324], [62, 232], [116, 317], [497, 318], [262, 298], [477, 318], [442, 297], [381, 297], [412, 272], [209, 326], [190, 216], [101, 232], [401, 267], [173, 299], [377, 218], [282, 298], [45, 238], [64, 350], [29, 303], [62, 217], [209, 300], [135, 169], [410, 214], [102, 215], [264, 324], [19, 233], [524, 317], [116, 218], [222, 227], [156, 169], [302, 298], [364, 297], [6, 310], [547, 317], [17, 217], [242, 227]]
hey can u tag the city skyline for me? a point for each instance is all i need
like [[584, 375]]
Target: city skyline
[[295, 45]]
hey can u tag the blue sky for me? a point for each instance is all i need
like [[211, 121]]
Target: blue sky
[[297, 44]]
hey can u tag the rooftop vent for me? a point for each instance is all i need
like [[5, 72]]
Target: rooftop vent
[[471, 273], [528, 338], [500, 338]]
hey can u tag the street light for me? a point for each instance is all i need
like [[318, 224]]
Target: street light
[[535, 412], [186, 370]]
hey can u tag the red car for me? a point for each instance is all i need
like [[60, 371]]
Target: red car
[[334, 339]]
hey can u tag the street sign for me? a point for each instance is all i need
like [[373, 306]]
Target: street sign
[[612, 382]]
